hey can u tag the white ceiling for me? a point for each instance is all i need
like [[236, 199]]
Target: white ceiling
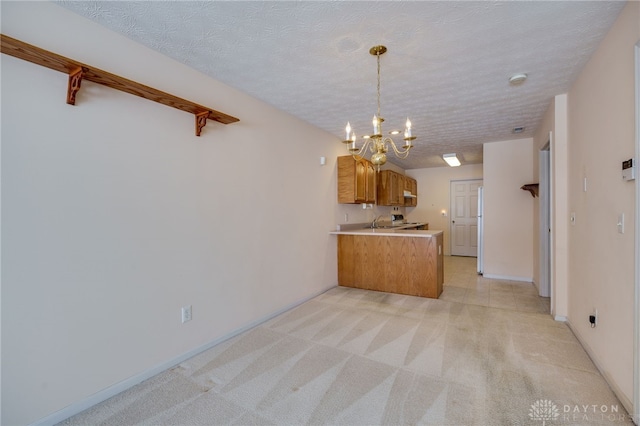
[[447, 67]]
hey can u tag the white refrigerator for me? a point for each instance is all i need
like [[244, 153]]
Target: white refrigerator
[[480, 230]]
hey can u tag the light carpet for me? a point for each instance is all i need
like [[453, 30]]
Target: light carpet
[[357, 357]]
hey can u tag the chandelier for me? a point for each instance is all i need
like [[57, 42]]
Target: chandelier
[[376, 143]]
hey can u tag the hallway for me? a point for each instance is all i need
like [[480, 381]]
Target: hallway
[[462, 284]]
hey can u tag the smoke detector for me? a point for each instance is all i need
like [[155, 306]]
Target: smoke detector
[[517, 79]]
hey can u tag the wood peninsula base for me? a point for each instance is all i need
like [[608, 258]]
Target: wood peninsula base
[[403, 264]]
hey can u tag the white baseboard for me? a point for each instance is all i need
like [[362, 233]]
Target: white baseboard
[[103, 395], [626, 402], [560, 318], [506, 277]]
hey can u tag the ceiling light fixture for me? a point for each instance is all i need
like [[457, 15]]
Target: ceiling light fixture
[[377, 144], [451, 159], [517, 79]]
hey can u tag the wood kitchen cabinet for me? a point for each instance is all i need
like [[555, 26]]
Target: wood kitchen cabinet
[[390, 188], [356, 180], [411, 185], [401, 264], [371, 187]]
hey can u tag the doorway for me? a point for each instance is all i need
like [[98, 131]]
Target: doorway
[[463, 197]]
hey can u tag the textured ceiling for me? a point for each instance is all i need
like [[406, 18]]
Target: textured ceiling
[[447, 67]]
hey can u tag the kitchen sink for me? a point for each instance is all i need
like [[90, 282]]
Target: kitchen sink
[[406, 225]]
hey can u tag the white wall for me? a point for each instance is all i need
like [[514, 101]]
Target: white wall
[[114, 215], [434, 195], [601, 261], [508, 210]]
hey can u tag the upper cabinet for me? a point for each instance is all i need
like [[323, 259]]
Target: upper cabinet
[[359, 183], [356, 180], [392, 187], [411, 185]]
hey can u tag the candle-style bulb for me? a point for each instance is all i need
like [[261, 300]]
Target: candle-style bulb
[[376, 125], [407, 132], [348, 130]]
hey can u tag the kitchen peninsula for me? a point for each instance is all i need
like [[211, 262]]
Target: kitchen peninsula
[[391, 260]]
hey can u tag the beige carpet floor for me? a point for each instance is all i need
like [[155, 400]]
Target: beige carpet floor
[[356, 357]]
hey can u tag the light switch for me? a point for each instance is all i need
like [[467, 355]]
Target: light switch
[[621, 223]]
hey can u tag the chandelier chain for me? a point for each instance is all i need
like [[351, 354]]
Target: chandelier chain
[[378, 56]]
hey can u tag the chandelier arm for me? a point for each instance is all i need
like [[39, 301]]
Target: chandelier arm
[[362, 149], [399, 153]]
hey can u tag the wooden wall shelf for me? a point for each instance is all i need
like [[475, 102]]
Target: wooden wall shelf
[[78, 71], [532, 188]]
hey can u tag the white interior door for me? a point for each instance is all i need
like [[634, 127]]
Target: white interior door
[[464, 217]]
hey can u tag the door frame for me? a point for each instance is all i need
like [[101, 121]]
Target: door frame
[[636, 333], [545, 247]]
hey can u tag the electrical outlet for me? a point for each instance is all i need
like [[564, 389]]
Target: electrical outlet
[[186, 314]]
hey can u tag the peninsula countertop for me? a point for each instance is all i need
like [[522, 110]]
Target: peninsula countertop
[[386, 232], [375, 259]]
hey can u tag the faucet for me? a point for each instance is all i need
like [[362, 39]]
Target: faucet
[[374, 224]]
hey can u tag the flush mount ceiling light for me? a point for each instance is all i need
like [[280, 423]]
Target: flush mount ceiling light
[[451, 159], [377, 144], [517, 79]]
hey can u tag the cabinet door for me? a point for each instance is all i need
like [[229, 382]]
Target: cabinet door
[[414, 191], [393, 188], [384, 193], [353, 178], [400, 194], [371, 188], [361, 182]]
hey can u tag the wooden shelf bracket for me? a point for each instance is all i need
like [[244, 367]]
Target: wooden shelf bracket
[[75, 80], [201, 121], [78, 71], [532, 188]]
